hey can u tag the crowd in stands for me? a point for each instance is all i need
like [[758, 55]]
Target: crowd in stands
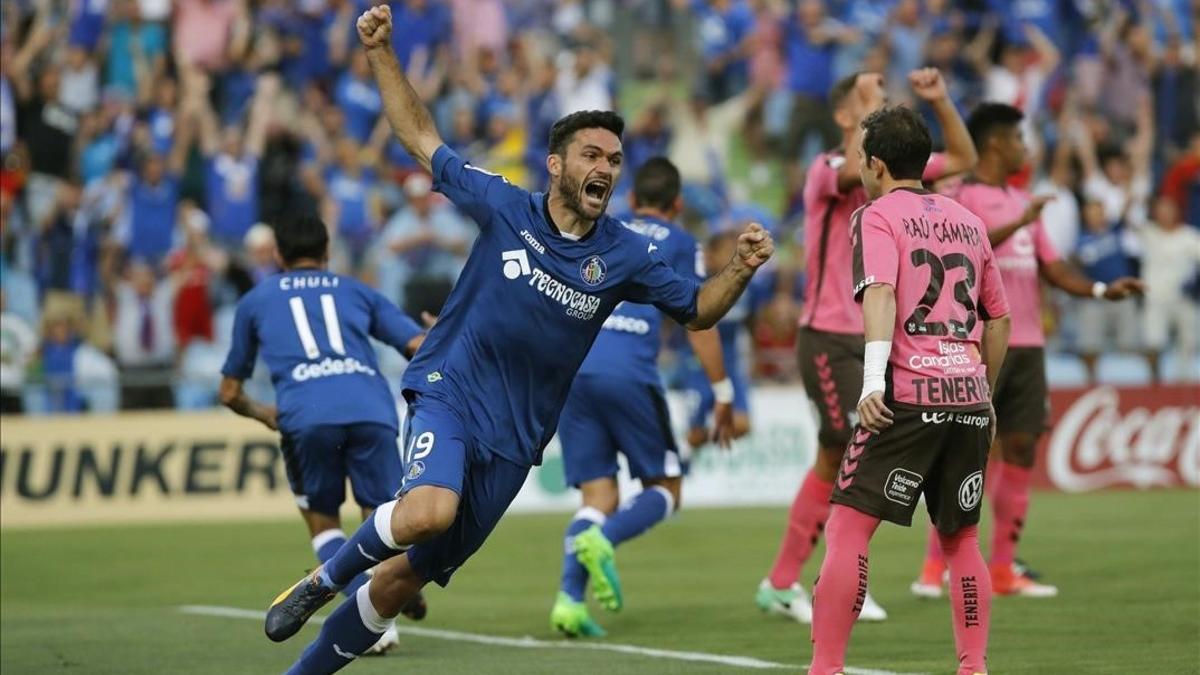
[[148, 144]]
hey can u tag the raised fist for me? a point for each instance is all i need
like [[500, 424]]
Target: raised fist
[[375, 27]]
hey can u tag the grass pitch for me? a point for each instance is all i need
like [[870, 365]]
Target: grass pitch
[[106, 600]]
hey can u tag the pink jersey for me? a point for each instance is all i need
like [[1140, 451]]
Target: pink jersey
[[936, 254], [1019, 256], [828, 303]]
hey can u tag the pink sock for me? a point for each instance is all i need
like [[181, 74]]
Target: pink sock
[[933, 546], [970, 598], [991, 477], [806, 519], [841, 587], [1009, 506]]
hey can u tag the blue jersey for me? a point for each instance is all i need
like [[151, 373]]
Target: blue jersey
[[527, 308], [312, 329], [627, 348]]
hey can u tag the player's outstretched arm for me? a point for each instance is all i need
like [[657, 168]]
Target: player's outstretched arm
[[706, 344], [929, 86], [717, 295], [879, 324], [1061, 274], [234, 397], [405, 111], [999, 235]]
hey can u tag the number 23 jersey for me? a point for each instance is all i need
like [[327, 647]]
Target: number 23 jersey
[[936, 255]]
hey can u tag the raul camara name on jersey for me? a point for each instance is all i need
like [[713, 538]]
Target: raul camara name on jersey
[[330, 366]]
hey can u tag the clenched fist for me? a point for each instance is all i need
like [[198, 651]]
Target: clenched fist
[[754, 246], [375, 27]]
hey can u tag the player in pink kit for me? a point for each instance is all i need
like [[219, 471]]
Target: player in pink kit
[[1025, 255], [830, 343], [936, 328]]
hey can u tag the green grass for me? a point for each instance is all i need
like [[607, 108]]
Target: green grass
[[104, 600]]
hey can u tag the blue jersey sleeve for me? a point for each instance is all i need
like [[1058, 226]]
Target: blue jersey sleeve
[[659, 285], [391, 326], [243, 347], [477, 192]]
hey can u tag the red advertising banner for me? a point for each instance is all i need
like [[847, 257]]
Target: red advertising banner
[[1121, 437]]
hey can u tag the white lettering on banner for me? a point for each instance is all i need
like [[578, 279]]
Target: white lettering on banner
[[1095, 445]]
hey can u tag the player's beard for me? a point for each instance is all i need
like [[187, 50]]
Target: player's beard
[[570, 190]]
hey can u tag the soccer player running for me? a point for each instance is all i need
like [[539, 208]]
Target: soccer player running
[[830, 343], [1024, 253], [334, 411], [616, 404], [936, 328], [487, 385]]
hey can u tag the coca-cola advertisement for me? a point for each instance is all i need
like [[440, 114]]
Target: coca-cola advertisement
[[1121, 437]]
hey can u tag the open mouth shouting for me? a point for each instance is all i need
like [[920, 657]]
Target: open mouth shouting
[[595, 193]]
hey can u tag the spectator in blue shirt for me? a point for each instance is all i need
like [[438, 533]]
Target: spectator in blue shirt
[[723, 26], [149, 214], [810, 45], [59, 345], [352, 205], [358, 98], [87, 23], [421, 30], [1102, 254]]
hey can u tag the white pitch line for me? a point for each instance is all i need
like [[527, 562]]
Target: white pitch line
[[533, 643]]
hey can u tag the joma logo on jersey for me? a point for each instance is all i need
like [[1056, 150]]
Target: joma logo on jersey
[[578, 305]]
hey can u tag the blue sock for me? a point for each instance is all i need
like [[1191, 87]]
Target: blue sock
[[351, 630], [327, 543], [574, 575], [639, 514], [370, 545]]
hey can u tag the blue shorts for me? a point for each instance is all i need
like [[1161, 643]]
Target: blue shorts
[[604, 416], [319, 458], [438, 451], [697, 382]]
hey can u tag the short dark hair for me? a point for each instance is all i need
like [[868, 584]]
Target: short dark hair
[[990, 118], [564, 129], [898, 137], [301, 236], [841, 90], [656, 184]]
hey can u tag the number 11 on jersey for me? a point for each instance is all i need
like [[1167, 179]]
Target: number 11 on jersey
[[333, 329]]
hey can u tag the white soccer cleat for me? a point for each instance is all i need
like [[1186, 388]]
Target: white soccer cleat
[[387, 641], [871, 610], [1007, 579], [792, 602], [924, 590]]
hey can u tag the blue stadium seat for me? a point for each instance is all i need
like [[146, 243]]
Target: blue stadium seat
[[1128, 369], [1065, 370]]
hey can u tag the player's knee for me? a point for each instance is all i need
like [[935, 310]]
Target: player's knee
[[1019, 449], [424, 514], [673, 487]]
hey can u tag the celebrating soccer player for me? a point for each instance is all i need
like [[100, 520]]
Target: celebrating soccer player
[[617, 405], [830, 340], [936, 329], [334, 409], [1025, 254], [487, 385]]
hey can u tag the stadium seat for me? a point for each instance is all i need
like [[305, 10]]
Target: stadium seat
[[1127, 369], [1065, 370], [1175, 369]]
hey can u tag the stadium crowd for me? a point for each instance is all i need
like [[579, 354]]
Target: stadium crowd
[[147, 145]]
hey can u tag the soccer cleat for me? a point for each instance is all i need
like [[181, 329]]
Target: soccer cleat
[[1007, 580], [571, 618], [792, 602], [387, 641], [595, 552], [293, 607], [931, 581], [415, 609], [871, 611]]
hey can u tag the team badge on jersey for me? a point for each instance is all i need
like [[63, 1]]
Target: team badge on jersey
[[593, 270], [415, 470]]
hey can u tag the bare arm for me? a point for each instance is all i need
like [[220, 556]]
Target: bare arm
[[706, 344], [718, 294], [260, 114], [408, 116], [994, 346], [867, 97], [999, 235], [978, 51], [879, 324], [1061, 274], [234, 397], [929, 85], [1048, 55]]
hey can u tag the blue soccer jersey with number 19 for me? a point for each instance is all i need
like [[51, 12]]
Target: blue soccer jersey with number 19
[[527, 308], [312, 328]]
